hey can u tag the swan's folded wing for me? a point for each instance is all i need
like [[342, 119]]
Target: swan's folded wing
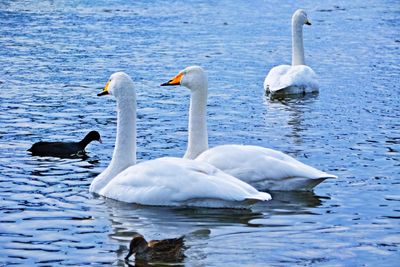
[[274, 80], [170, 181], [263, 168], [291, 79], [301, 76]]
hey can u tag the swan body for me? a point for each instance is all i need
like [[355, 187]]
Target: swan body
[[291, 80], [261, 167], [164, 181], [175, 182], [297, 78]]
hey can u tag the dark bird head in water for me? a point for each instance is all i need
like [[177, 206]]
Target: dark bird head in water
[[94, 136]]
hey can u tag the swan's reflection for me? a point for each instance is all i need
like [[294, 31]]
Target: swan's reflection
[[174, 220], [198, 224], [169, 222], [284, 98], [295, 107], [299, 202]]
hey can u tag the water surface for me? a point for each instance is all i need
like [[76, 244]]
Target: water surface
[[56, 56]]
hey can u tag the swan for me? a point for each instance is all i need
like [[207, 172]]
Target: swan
[[261, 167], [298, 78], [165, 181]]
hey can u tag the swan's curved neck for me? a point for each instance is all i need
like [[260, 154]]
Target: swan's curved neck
[[198, 137], [297, 44], [125, 144]]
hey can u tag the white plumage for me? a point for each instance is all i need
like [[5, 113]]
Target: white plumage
[[164, 181], [297, 78], [291, 80], [264, 168], [175, 181]]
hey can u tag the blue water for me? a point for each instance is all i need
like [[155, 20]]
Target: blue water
[[55, 56]]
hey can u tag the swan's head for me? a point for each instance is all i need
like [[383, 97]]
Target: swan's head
[[119, 85], [300, 17], [193, 78]]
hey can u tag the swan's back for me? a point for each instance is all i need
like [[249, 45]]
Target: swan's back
[[175, 181], [285, 79], [264, 168]]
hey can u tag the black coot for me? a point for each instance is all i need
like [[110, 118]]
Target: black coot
[[64, 149]]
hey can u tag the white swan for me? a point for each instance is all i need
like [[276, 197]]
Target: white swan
[[298, 78], [164, 181], [261, 167]]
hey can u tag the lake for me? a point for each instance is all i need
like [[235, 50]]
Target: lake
[[55, 56]]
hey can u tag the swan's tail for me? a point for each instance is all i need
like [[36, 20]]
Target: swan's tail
[[296, 183], [313, 183], [310, 184], [261, 196]]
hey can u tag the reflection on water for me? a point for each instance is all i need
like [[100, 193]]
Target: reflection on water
[[80, 155], [200, 225], [295, 107], [55, 55], [296, 202]]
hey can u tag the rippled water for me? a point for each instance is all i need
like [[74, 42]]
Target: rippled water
[[56, 55]]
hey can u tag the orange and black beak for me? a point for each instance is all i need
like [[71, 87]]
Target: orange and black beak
[[174, 81], [105, 90], [308, 22]]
